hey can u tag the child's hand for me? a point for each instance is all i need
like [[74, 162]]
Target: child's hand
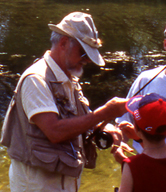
[[119, 152], [128, 129]]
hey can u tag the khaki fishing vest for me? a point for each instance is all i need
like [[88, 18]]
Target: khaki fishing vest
[[27, 143]]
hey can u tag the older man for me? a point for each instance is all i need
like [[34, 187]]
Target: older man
[[48, 115]]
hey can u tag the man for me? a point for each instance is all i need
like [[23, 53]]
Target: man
[[45, 124], [157, 85]]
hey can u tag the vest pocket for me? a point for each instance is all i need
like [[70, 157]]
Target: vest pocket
[[47, 160], [54, 160]]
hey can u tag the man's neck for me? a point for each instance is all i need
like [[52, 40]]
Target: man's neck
[[56, 57]]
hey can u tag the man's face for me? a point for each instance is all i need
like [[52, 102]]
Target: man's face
[[76, 58]]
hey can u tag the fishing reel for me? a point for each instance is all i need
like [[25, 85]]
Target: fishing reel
[[102, 139]]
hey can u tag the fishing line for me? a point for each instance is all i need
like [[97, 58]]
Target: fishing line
[[123, 149]]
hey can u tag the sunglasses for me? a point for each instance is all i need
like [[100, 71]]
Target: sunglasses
[[84, 56]]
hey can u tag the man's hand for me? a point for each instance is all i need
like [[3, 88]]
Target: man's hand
[[118, 152], [114, 132], [116, 107]]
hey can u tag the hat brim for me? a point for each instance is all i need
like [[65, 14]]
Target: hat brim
[[57, 29], [133, 103], [92, 53]]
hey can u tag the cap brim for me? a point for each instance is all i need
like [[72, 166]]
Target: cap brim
[[92, 53], [57, 29], [133, 103]]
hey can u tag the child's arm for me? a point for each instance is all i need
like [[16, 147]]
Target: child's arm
[[127, 180]]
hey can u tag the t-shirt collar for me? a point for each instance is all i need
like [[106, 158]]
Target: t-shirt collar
[[60, 75]]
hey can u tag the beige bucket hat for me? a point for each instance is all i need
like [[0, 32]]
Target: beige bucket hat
[[81, 27]]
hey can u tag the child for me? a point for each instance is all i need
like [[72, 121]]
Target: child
[[146, 172]]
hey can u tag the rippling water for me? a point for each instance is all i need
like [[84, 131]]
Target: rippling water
[[135, 27], [4, 166]]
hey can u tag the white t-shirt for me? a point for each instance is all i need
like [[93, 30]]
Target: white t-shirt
[[157, 85], [36, 95]]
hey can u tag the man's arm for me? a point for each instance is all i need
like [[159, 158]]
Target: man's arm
[[58, 130]]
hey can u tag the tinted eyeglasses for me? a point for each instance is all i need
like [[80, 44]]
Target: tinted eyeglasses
[[84, 55]]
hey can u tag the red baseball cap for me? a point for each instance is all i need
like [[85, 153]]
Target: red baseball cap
[[149, 112]]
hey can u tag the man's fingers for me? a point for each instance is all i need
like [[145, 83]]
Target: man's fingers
[[116, 107], [116, 138], [115, 133]]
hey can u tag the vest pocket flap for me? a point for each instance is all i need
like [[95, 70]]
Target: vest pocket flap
[[46, 158], [48, 161], [52, 159], [70, 161]]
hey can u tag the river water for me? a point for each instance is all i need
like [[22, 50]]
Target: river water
[[128, 29]]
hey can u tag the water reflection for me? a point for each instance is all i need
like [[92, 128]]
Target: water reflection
[[7, 84], [4, 166], [3, 28], [124, 26]]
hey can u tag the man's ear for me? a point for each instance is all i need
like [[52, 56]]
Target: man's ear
[[63, 42]]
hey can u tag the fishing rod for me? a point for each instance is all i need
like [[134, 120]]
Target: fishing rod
[[149, 81], [116, 189]]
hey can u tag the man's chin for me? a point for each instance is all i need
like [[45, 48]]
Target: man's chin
[[76, 73]]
